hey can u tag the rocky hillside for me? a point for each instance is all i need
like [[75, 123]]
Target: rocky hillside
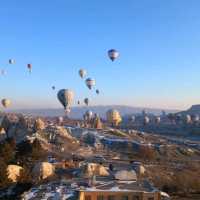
[[193, 110]]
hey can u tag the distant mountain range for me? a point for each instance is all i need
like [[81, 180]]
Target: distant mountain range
[[77, 112]]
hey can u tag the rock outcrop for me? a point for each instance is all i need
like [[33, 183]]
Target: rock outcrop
[[39, 125], [93, 169], [125, 175], [43, 170], [13, 172]]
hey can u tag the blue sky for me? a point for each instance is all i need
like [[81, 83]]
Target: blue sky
[[159, 44]]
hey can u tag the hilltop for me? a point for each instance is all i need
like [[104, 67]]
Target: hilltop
[[193, 110]]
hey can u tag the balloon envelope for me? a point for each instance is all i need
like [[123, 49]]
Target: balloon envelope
[[113, 54], [29, 66], [11, 61], [65, 97], [82, 73], [97, 91], [146, 120], [88, 114], [90, 83], [86, 101], [6, 103]]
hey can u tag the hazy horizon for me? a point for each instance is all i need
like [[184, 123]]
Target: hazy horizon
[[158, 41]]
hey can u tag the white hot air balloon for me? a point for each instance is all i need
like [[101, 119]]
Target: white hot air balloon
[[132, 118], [157, 120], [146, 120], [89, 114]]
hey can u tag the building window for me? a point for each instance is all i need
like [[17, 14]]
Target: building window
[[111, 197], [88, 197], [100, 197], [125, 197], [136, 197]]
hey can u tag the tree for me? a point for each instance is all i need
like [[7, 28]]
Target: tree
[[4, 181], [7, 152], [37, 150], [25, 176]]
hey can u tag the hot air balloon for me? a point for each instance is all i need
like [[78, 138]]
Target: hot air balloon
[[146, 120], [29, 66], [97, 91], [188, 119], [6, 103], [86, 101], [90, 83], [66, 97], [113, 54], [78, 102], [157, 120], [11, 61], [88, 114], [53, 87], [132, 118], [113, 117], [82, 73]]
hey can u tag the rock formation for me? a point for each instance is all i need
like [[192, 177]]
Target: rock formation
[[43, 170], [13, 172], [93, 169]]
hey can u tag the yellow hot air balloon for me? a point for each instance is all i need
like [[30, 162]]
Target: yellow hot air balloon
[[6, 103], [113, 117]]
